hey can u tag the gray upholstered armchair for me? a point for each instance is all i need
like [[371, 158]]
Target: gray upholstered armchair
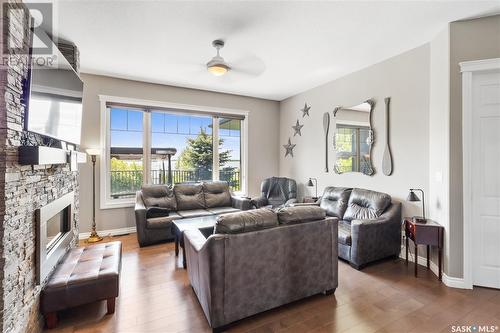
[[369, 226], [276, 191]]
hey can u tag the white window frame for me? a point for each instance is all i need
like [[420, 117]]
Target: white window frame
[[104, 180]]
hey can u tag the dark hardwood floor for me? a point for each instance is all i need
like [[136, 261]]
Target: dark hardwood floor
[[155, 296]]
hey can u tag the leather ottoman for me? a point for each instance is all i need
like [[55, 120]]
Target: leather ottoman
[[85, 275]]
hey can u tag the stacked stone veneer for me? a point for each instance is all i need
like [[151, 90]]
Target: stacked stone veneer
[[23, 189]]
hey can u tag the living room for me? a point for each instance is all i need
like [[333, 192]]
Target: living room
[[250, 166]]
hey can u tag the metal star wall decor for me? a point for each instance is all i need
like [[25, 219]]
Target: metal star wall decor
[[289, 148], [297, 128], [305, 110]]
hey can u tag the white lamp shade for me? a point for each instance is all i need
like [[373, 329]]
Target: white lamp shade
[[93, 151]]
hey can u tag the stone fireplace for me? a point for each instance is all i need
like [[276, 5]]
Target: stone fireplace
[[54, 225], [24, 189]]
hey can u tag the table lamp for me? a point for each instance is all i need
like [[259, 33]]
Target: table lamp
[[310, 184], [413, 198]]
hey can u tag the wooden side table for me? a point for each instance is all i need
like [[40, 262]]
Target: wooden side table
[[429, 234]]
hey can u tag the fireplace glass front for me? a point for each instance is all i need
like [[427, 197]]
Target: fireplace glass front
[[57, 226]]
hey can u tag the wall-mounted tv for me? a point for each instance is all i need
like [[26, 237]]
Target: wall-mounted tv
[[54, 98]]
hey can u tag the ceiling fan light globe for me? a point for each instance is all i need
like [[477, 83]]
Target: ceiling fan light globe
[[217, 69]]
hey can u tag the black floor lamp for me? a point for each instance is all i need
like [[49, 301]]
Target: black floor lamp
[[94, 237]]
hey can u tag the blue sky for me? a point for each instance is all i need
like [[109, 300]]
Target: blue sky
[[168, 130]]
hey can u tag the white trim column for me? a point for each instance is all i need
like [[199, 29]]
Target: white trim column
[[468, 69], [146, 144], [215, 145]]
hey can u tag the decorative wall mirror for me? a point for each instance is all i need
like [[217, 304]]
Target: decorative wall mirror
[[353, 138]]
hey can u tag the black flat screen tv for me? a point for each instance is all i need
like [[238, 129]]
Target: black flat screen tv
[[53, 93]]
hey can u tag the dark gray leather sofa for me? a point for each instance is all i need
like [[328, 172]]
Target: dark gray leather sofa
[[277, 192], [185, 200], [259, 259], [369, 226]]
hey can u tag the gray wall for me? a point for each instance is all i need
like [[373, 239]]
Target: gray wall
[[263, 135], [426, 89], [469, 40], [405, 78]]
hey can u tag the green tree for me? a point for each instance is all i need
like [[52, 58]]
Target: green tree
[[198, 154], [121, 165]]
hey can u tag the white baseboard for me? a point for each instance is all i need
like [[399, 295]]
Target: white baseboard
[[449, 281], [454, 282], [111, 232], [422, 261]]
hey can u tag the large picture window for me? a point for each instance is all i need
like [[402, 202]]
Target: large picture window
[[230, 151], [191, 137], [125, 152], [169, 146]]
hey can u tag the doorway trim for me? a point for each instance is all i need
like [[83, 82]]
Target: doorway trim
[[468, 68]]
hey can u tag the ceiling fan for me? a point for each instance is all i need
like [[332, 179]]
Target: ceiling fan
[[217, 66]]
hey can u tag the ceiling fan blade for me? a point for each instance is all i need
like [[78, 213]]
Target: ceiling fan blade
[[242, 72], [251, 65]]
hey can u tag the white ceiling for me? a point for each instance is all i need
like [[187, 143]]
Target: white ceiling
[[292, 46]]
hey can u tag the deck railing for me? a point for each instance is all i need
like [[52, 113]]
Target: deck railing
[[126, 183]]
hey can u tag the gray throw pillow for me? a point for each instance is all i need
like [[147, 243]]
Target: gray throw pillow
[[249, 220], [153, 212], [300, 214]]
